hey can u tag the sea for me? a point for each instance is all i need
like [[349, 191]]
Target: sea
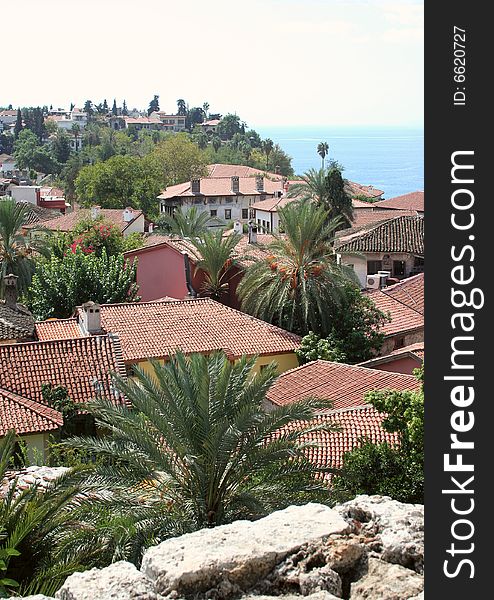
[[390, 159]]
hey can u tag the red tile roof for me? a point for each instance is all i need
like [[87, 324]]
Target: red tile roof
[[26, 416], [354, 423], [357, 189], [413, 350], [368, 217], [345, 385], [411, 201], [409, 291], [68, 221], [58, 329], [83, 366], [159, 329], [272, 204], [15, 323], [404, 234], [221, 186], [219, 170]]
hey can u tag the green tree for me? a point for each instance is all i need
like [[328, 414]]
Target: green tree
[[216, 142], [61, 147], [267, 148], [154, 105], [18, 252], [6, 143], [280, 161], [119, 182], [30, 154], [96, 235], [181, 107], [114, 109], [221, 460], [61, 284], [88, 108], [205, 108], [215, 257], [201, 139], [229, 126], [76, 131], [297, 281], [125, 110], [396, 471], [355, 334], [18, 124], [322, 150]]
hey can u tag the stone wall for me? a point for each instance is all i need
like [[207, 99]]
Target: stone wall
[[369, 548]]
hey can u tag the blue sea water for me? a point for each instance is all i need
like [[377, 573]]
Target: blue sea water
[[391, 159]]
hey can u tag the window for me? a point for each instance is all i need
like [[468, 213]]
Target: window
[[399, 267], [399, 342], [245, 213], [213, 213], [373, 266], [228, 214]]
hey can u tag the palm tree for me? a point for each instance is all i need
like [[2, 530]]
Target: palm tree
[[322, 150], [267, 147], [205, 108], [214, 256], [185, 223], [326, 189], [76, 130], [17, 252], [216, 142], [299, 281], [198, 445]]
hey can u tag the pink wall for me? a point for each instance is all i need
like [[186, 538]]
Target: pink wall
[[400, 365], [160, 272]]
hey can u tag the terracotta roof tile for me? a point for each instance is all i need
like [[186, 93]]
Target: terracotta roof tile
[[26, 416], [357, 189], [58, 329], [404, 302], [414, 350], [159, 329], [221, 186], [345, 385], [411, 201], [354, 423], [368, 217], [68, 221], [83, 366], [15, 323], [400, 234]]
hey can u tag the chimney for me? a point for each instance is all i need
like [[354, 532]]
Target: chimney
[[188, 279], [128, 215], [235, 184], [90, 318], [252, 233], [150, 227], [195, 186], [238, 227], [260, 183], [95, 211], [10, 282]]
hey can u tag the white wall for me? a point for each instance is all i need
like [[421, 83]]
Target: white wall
[[25, 193], [135, 226]]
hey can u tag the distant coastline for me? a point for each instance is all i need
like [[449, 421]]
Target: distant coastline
[[389, 158]]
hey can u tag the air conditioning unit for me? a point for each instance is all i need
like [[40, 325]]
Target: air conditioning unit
[[384, 275], [373, 282]]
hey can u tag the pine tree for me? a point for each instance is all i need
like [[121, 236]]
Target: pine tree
[[114, 110], [154, 105], [18, 124]]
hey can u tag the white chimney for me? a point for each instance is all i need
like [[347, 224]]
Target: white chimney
[[95, 211], [150, 227], [128, 215], [90, 317], [238, 227]]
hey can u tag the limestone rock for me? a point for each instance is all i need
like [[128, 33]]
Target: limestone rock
[[36, 597], [119, 581], [316, 596], [399, 527], [386, 582], [236, 556], [419, 597]]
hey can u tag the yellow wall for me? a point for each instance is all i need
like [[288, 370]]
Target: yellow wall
[[284, 361], [37, 445]]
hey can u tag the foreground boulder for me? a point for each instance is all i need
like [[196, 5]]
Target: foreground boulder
[[369, 548], [232, 558]]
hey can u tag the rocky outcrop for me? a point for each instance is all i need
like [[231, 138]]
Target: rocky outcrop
[[369, 548], [39, 476]]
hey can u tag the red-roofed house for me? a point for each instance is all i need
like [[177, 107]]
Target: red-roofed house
[[412, 201], [157, 330], [161, 269], [404, 302], [31, 420], [128, 220], [403, 360], [345, 385]]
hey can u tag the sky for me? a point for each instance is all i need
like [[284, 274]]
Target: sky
[[273, 62]]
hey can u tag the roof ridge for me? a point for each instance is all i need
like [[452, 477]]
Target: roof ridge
[[38, 407], [56, 340]]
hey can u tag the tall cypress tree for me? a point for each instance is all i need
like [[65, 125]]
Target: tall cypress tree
[[154, 105], [105, 106], [18, 124], [125, 111], [114, 110]]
